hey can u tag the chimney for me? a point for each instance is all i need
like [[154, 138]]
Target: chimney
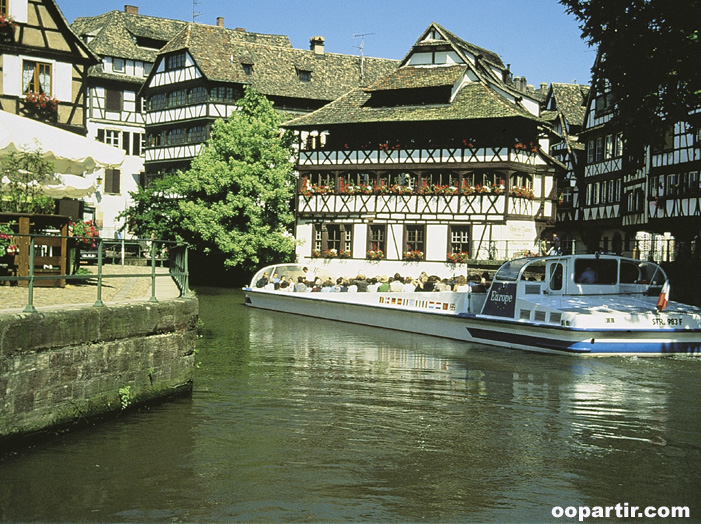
[[131, 9], [316, 44], [543, 87], [220, 21], [240, 29]]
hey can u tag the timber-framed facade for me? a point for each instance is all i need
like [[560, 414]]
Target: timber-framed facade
[[44, 65], [439, 162], [203, 71]]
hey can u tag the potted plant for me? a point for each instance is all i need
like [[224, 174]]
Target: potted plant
[[375, 254], [458, 258], [413, 255]]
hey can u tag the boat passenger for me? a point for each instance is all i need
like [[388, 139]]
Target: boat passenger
[[372, 285], [384, 284], [284, 284], [588, 276], [341, 285], [309, 277], [396, 284], [361, 283], [262, 281], [300, 286], [442, 285], [409, 285], [461, 285]]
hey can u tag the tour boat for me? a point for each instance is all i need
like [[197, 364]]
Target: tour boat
[[594, 304]]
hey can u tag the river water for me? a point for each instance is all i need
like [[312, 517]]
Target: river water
[[301, 420]]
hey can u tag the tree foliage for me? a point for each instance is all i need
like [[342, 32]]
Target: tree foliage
[[649, 56], [234, 201], [23, 175]]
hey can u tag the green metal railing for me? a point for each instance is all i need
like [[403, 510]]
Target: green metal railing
[[159, 252]]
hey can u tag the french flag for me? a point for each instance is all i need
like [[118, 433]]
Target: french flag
[[664, 297]]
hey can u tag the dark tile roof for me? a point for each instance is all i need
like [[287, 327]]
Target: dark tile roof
[[419, 77], [117, 33], [570, 100], [219, 54], [473, 101]]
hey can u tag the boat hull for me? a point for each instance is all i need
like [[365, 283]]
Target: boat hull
[[440, 321]]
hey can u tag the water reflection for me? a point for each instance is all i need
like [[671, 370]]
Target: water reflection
[[296, 419]]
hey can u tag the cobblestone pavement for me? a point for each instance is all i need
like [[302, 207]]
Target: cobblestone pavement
[[125, 288]]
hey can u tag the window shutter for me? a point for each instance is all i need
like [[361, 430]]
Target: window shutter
[[113, 100], [101, 135], [112, 181], [126, 141]]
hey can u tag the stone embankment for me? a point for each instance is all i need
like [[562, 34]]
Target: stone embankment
[[71, 362]]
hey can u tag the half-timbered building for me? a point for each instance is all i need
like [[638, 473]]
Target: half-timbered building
[[44, 64], [564, 108], [441, 161], [202, 72], [127, 44]]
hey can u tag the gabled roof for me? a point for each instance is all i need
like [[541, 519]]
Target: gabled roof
[[474, 101], [462, 47], [570, 100], [220, 53], [118, 34]]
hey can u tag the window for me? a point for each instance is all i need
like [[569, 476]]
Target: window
[[619, 144], [197, 134], [148, 66], [608, 147], [157, 102], [377, 235], [176, 61], [109, 136], [36, 77], [247, 69], [137, 146], [112, 181], [415, 238], [3, 7], [304, 76], [459, 239], [599, 149], [329, 237], [175, 136], [197, 95], [126, 141], [222, 94], [118, 65], [177, 98], [113, 100]]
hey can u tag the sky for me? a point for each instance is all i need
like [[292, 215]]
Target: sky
[[536, 37]]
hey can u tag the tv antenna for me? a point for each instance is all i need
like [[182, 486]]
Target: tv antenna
[[362, 53], [195, 14]]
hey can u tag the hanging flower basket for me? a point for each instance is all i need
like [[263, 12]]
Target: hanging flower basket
[[458, 258], [40, 105], [375, 254], [85, 234], [7, 28], [413, 255]]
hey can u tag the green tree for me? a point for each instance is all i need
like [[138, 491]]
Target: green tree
[[234, 201], [155, 210], [24, 173], [649, 55], [237, 193]]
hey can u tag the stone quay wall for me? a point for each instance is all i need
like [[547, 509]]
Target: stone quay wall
[[61, 367]]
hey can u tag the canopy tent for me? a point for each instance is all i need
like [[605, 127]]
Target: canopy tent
[[69, 186], [69, 153]]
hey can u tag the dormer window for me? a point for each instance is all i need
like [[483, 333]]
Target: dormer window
[[176, 61], [118, 65], [304, 76], [247, 69]]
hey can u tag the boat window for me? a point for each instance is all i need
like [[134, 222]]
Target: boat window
[[511, 269], [556, 277], [651, 273], [596, 271], [630, 274]]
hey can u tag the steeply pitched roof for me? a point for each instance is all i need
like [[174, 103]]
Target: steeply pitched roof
[[127, 35], [220, 54], [473, 101], [570, 100]]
